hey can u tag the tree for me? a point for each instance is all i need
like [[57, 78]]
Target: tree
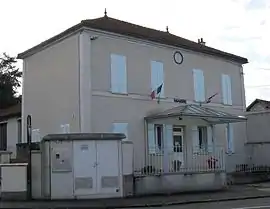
[[9, 81]]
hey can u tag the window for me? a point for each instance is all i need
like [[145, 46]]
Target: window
[[203, 142], [178, 138], [118, 74], [226, 89], [121, 128], [3, 136], [199, 89], [157, 76], [159, 136], [19, 128]]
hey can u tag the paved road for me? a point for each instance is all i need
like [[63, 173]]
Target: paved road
[[263, 203]]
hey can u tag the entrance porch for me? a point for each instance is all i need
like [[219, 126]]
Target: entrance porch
[[182, 140]]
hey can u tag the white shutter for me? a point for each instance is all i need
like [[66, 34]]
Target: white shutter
[[229, 90], [210, 138], [168, 148], [202, 87], [114, 74], [151, 139], [230, 138], [157, 76], [160, 77], [168, 138], [224, 89], [196, 86], [195, 139], [199, 88], [154, 76], [121, 128]]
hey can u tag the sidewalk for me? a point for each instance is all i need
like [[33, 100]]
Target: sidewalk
[[232, 193]]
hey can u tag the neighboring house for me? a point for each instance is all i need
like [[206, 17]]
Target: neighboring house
[[103, 75], [258, 133], [259, 105], [10, 128]]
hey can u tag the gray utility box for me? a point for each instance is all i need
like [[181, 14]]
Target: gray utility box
[[95, 165]]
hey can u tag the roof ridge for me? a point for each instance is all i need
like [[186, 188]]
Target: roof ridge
[[113, 25]]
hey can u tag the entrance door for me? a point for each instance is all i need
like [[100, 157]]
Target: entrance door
[[108, 180], [178, 150], [85, 172]]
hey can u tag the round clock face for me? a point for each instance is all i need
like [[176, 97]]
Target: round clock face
[[178, 57]]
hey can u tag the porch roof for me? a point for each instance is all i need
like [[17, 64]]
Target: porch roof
[[197, 111]]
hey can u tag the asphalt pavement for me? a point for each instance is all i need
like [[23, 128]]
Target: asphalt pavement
[[261, 203]]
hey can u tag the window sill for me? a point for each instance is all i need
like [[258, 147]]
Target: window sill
[[118, 93], [226, 104]]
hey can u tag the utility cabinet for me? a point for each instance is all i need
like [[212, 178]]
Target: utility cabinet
[[77, 166]]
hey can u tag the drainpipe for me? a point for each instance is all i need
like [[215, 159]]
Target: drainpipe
[[29, 160]]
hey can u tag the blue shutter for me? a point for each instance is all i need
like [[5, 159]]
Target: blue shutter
[[118, 74], [151, 139], [121, 128], [229, 90], [199, 88], [230, 138], [224, 89]]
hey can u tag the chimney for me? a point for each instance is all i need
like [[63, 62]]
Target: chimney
[[201, 41]]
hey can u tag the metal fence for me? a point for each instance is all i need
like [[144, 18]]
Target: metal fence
[[245, 168], [178, 159]]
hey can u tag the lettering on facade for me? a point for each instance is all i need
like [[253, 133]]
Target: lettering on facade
[[182, 101]]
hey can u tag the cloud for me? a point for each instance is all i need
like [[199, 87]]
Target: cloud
[[256, 4], [236, 26]]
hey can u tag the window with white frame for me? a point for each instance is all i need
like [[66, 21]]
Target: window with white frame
[[199, 88], [226, 89], [118, 74], [203, 139]]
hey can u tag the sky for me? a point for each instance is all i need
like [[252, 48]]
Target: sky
[[241, 27]]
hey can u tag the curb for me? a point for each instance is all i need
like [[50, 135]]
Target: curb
[[183, 202], [151, 204]]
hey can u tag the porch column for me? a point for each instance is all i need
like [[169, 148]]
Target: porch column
[[168, 146]]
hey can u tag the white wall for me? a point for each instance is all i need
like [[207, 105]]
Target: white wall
[[12, 135]]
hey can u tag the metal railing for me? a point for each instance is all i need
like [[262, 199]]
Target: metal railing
[[178, 159]]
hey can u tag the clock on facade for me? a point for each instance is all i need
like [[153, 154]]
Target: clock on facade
[[178, 57]]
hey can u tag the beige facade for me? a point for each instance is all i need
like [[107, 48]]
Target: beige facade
[[69, 82]]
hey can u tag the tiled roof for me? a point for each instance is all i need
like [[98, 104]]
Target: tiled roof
[[136, 31], [257, 101]]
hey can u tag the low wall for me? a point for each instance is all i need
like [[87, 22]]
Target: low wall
[[172, 183]]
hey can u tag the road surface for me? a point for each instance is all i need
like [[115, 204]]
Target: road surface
[[262, 203]]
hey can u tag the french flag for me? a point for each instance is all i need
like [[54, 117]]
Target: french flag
[[157, 91]]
